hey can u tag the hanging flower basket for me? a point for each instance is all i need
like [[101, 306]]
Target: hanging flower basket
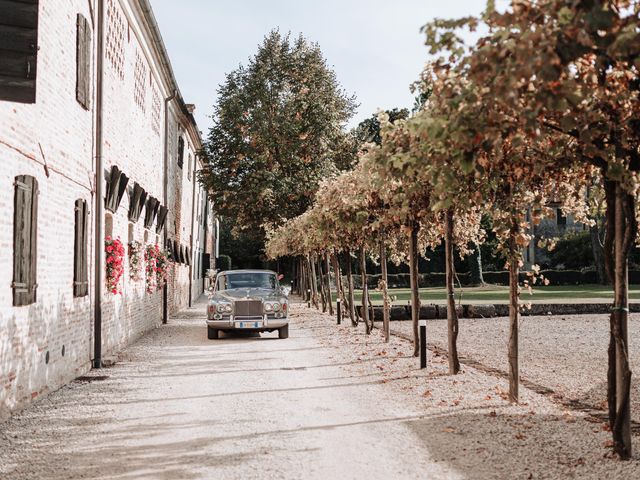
[[151, 261], [114, 260], [135, 260], [156, 267], [162, 265]]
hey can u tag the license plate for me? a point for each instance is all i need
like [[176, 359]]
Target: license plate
[[251, 324]]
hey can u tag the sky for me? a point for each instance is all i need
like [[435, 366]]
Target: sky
[[374, 46]]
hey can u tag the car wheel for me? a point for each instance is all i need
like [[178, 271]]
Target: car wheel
[[212, 333], [283, 332]]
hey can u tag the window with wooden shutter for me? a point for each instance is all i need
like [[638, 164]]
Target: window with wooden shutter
[[83, 62], [150, 212], [116, 186], [18, 50], [180, 151], [25, 235], [137, 200], [80, 261]]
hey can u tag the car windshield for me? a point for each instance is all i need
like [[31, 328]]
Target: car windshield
[[247, 280]]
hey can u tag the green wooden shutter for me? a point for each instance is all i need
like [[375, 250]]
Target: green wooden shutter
[[80, 261], [18, 50], [25, 233]]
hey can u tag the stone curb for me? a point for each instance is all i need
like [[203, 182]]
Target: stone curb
[[434, 311]]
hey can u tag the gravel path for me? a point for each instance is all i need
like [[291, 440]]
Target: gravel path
[[567, 354], [329, 402]]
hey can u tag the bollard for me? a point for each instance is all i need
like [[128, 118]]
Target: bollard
[[423, 343], [339, 311], [309, 298]]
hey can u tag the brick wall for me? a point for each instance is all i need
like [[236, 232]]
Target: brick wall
[[59, 132], [56, 130]]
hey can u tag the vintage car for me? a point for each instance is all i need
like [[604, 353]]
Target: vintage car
[[248, 300]]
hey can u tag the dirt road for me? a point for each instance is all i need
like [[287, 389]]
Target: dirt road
[[179, 406], [328, 403]]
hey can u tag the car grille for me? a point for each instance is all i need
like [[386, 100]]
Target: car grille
[[248, 308]]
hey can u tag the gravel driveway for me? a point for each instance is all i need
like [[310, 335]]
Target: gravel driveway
[[329, 402]]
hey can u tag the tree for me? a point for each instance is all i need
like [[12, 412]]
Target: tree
[[565, 77], [275, 123]]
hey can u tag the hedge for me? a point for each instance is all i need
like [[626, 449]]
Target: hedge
[[555, 277]]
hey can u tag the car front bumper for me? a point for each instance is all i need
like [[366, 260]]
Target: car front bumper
[[230, 322]]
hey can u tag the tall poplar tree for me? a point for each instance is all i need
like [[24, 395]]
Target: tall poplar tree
[[276, 126]]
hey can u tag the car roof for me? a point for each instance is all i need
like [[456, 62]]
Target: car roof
[[247, 271]]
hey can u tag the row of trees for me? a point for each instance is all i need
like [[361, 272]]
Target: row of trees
[[531, 113]]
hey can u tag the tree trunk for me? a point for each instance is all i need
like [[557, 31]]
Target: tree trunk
[[327, 267], [323, 295], [415, 291], [609, 264], [514, 271], [475, 265], [385, 290], [365, 290], [338, 277], [353, 314], [314, 283], [625, 232], [598, 253], [452, 314]]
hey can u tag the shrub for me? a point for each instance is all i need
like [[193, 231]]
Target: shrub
[[572, 252], [223, 262]]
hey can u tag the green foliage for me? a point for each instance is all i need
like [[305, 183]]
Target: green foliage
[[275, 122], [572, 251], [368, 131], [223, 262]]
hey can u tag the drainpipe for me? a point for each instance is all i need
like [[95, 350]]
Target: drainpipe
[[165, 199], [193, 216], [99, 206]]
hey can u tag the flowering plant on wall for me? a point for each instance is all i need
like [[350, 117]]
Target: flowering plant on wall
[[135, 260], [162, 265], [151, 266], [114, 253]]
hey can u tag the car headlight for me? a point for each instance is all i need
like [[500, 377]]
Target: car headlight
[[228, 308], [268, 307], [224, 308], [276, 307]]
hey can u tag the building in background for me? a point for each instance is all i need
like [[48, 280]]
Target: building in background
[[96, 142]]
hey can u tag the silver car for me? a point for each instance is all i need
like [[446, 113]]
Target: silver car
[[248, 300]]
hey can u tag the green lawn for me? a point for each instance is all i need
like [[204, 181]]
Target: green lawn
[[500, 294]]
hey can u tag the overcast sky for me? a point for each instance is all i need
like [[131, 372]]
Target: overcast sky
[[374, 46]]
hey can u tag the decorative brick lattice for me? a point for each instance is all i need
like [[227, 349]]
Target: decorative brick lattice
[[155, 108], [140, 79], [115, 38]]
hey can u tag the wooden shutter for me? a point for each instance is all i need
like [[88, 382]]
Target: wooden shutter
[[180, 151], [187, 256], [80, 261], [137, 200], [116, 186], [206, 264], [176, 252], [83, 62], [18, 50], [162, 217], [25, 235], [151, 210]]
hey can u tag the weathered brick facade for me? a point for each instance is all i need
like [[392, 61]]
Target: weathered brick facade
[[48, 343]]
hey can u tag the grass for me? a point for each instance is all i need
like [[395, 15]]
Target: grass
[[500, 294]]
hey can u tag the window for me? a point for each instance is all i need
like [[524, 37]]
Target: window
[[80, 264], [18, 55], [25, 235], [180, 151], [83, 62], [189, 167]]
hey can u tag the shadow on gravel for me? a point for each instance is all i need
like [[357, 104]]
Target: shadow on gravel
[[482, 446]]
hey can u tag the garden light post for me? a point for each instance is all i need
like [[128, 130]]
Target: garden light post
[[423, 343]]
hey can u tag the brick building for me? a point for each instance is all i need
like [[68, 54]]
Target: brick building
[[95, 141]]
